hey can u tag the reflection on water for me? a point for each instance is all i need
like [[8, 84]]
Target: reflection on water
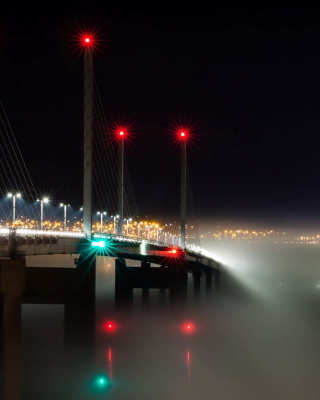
[[255, 339]]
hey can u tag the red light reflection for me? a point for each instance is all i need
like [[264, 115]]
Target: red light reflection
[[109, 326], [188, 327]]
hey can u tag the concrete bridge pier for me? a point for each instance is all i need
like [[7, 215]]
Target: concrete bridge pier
[[178, 283], [123, 285], [162, 295], [196, 284], [217, 274], [12, 286], [208, 281], [145, 269], [1, 341], [79, 332]]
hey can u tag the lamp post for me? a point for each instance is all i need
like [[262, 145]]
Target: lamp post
[[101, 213], [148, 232], [127, 224], [42, 201], [114, 222], [64, 215], [14, 197], [138, 230]]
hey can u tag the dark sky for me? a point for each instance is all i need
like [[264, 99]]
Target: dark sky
[[246, 77]]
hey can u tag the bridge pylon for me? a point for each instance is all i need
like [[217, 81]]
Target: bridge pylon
[[183, 188], [121, 135], [88, 135]]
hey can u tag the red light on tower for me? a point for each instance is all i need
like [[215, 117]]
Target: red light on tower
[[121, 133], [87, 40], [182, 134]]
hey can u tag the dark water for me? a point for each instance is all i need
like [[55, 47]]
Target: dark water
[[257, 338]]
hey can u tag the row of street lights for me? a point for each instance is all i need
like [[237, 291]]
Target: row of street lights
[[115, 217], [45, 200]]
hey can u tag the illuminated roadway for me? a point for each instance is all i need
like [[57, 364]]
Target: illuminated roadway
[[41, 242]]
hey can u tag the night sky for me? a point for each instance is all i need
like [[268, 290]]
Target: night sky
[[246, 77]]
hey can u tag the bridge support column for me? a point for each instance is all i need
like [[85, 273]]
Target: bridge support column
[[1, 339], [12, 285], [178, 284], [79, 332], [162, 295], [217, 278], [196, 284], [145, 297], [145, 268], [208, 282], [123, 285]]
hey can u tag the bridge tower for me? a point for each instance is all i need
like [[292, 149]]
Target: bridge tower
[[88, 133], [183, 187], [121, 138]]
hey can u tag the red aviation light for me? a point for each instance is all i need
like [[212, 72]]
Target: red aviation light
[[88, 40], [121, 133], [182, 133]]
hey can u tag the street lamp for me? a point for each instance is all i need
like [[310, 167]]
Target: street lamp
[[114, 222], [127, 224], [64, 215], [101, 213], [158, 229], [165, 237], [46, 201], [14, 197], [138, 230], [148, 232]]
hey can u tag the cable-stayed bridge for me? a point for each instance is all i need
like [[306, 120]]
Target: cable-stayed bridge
[[164, 265]]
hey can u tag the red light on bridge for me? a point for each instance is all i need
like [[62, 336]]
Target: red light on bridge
[[121, 133], [182, 134], [174, 252]]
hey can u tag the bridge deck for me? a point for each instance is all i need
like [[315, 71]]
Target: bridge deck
[[35, 242]]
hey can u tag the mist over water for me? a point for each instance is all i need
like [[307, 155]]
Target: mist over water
[[255, 338]]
